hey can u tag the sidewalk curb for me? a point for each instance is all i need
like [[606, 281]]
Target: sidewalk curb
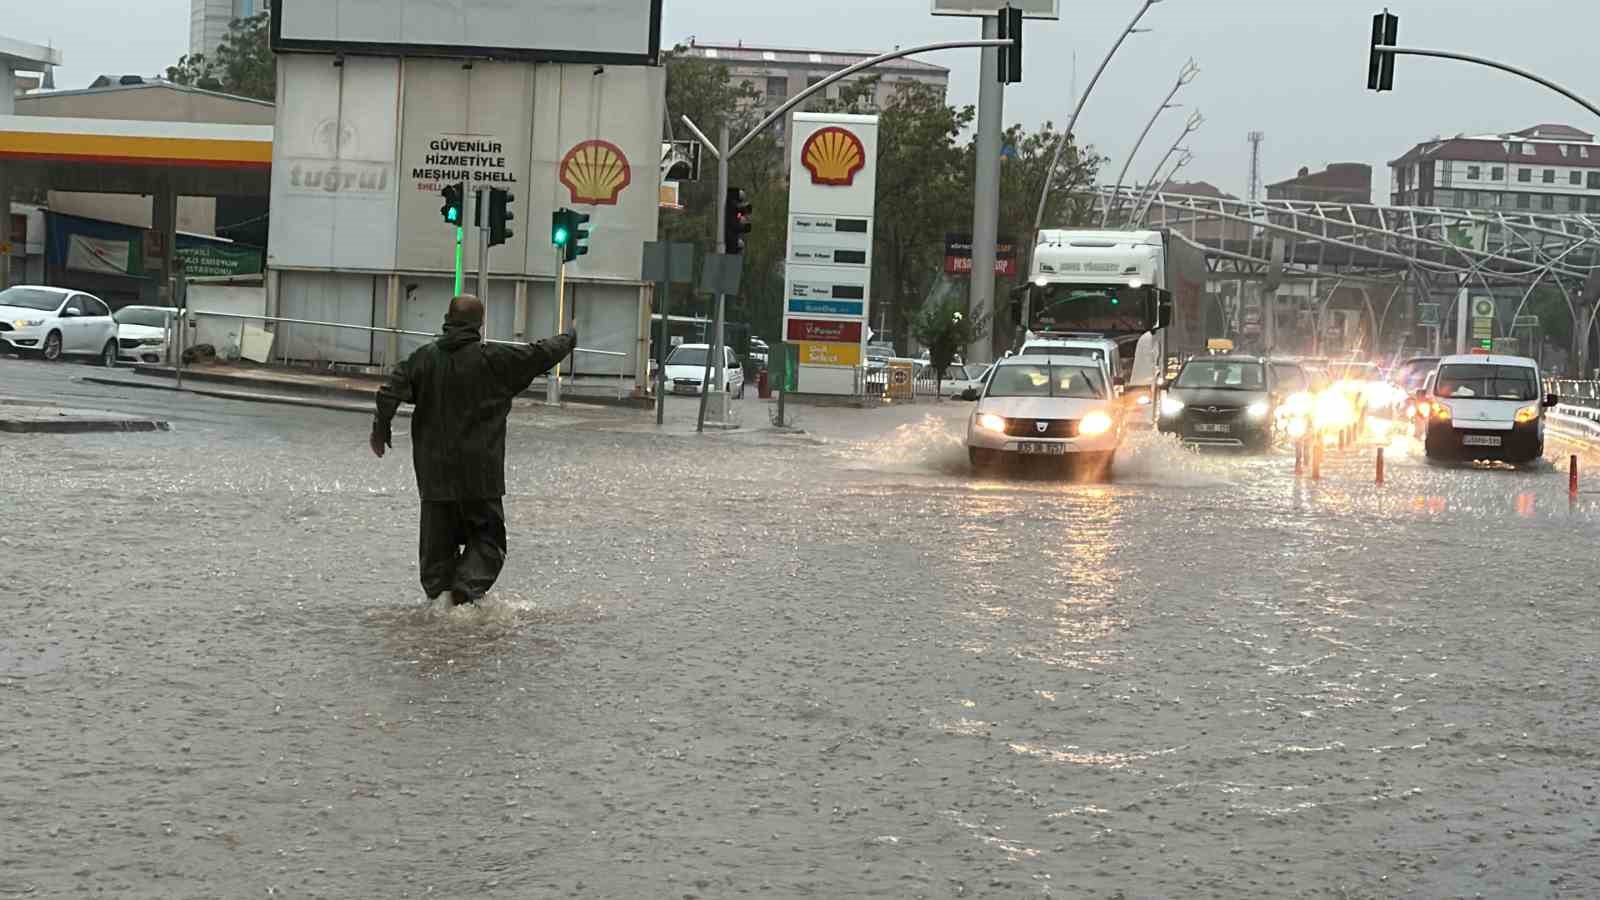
[[66, 425], [245, 396]]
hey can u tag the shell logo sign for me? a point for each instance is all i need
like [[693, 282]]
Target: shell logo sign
[[833, 156], [595, 172]]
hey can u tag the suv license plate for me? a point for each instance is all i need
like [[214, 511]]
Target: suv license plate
[[1213, 429], [1042, 449], [1480, 440]]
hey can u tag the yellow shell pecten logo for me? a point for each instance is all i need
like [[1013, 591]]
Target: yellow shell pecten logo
[[595, 172], [833, 156]]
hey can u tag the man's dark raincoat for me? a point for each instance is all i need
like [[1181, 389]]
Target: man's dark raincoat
[[462, 390]]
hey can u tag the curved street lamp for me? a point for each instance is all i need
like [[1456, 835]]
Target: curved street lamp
[[1061, 142], [1196, 119], [1185, 75], [1150, 199]]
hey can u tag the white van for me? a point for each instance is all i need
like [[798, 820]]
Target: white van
[[1486, 407], [1102, 350]]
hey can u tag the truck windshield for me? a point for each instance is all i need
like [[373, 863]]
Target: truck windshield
[[1101, 308]]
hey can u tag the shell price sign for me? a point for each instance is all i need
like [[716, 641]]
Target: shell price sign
[[833, 182]]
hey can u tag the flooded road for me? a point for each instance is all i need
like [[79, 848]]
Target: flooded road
[[763, 666]]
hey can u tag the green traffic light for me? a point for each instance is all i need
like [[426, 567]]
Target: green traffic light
[[560, 237], [454, 214]]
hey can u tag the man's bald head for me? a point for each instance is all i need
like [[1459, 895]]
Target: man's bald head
[[465, 309]]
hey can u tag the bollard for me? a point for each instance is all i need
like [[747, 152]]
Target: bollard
[[1380, 467], [1572, 477], [1316, 458]]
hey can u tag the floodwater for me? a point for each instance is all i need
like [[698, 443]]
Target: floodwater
[[778, 667]]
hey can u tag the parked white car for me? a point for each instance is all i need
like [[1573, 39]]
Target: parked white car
[[686, 367], [142, 333], [54, 322], [1049, 407], [958, 379]]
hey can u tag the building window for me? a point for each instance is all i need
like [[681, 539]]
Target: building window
[[777, 90], [1527, 150], [1575, 178], [1549, 176], [1524, 175], [1473, 172], [1583, 152], [1594, 180], [1524, 201], [1469, 199], [1497, 173], [1592, 204], [1574, 204], [1547, 202]]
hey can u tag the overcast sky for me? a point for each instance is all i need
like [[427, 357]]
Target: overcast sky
[[1294, 69]]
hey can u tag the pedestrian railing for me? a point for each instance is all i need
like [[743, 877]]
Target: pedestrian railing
[[285, 330], [1576, 393]]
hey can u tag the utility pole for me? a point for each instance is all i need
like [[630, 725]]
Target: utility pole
[[1256, 137], [715, 344], [986, 195]]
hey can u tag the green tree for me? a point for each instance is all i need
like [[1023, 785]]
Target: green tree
[[946, 329], [243, 64]]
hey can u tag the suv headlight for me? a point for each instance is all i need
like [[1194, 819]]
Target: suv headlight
[[1170, 405], [1256, 410], [1094, 423], [992, 422], [1528, 414]]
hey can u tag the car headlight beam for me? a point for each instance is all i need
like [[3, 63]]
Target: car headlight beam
[[1094, 423], [992, 422], [1257, 410], [1171, 406]]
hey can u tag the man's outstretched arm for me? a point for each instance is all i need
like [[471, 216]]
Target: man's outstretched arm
[[522, 363], [395, 390]]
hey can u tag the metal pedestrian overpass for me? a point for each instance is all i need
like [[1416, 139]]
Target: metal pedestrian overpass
[[1385, 262]]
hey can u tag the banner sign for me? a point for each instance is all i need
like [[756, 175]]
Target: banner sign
[[826, 307], [822, 354], [209, 259], [958, 255]]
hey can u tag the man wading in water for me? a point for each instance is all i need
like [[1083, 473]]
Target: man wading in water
[[462, 389]]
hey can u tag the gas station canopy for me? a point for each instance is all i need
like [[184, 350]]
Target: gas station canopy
[[127, 156]]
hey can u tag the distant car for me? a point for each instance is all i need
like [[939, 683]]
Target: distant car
[[1058, 407], [1487, 407], [55, 322], [142, 333], [1222, 401], [686, 369], [958, 379]]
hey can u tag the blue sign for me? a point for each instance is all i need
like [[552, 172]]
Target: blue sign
[[827, 307]]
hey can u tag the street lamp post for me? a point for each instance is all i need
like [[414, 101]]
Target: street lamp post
[[1061, 142], [1150, 199], [1194, 123], [1185, 75]]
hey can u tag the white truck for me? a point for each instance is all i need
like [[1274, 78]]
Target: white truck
[[1143, 289]]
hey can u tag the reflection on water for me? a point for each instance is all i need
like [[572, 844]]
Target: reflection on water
[[723, 669]]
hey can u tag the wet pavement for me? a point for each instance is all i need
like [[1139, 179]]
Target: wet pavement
[[773, 667]]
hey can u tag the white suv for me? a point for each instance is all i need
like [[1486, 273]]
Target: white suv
[[55, 322], [1486, 407], [1057, 407]]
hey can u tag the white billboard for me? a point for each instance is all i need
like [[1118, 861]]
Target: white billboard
[[1031, 9], [600, 31]]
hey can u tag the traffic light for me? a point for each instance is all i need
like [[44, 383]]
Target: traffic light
[[1380, 65], [580, 235], [569, 233], [499, 214], [737, 221], [1010, 68], [453, 197]]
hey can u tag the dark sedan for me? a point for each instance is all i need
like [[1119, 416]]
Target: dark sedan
[[1222, 401]]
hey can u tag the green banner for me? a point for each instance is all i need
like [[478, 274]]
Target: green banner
[[208, 260]]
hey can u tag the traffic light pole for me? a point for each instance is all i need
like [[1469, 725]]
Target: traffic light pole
[[460, 233], [480, 200], [1493, 64], [722, 299], [552, 394]]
